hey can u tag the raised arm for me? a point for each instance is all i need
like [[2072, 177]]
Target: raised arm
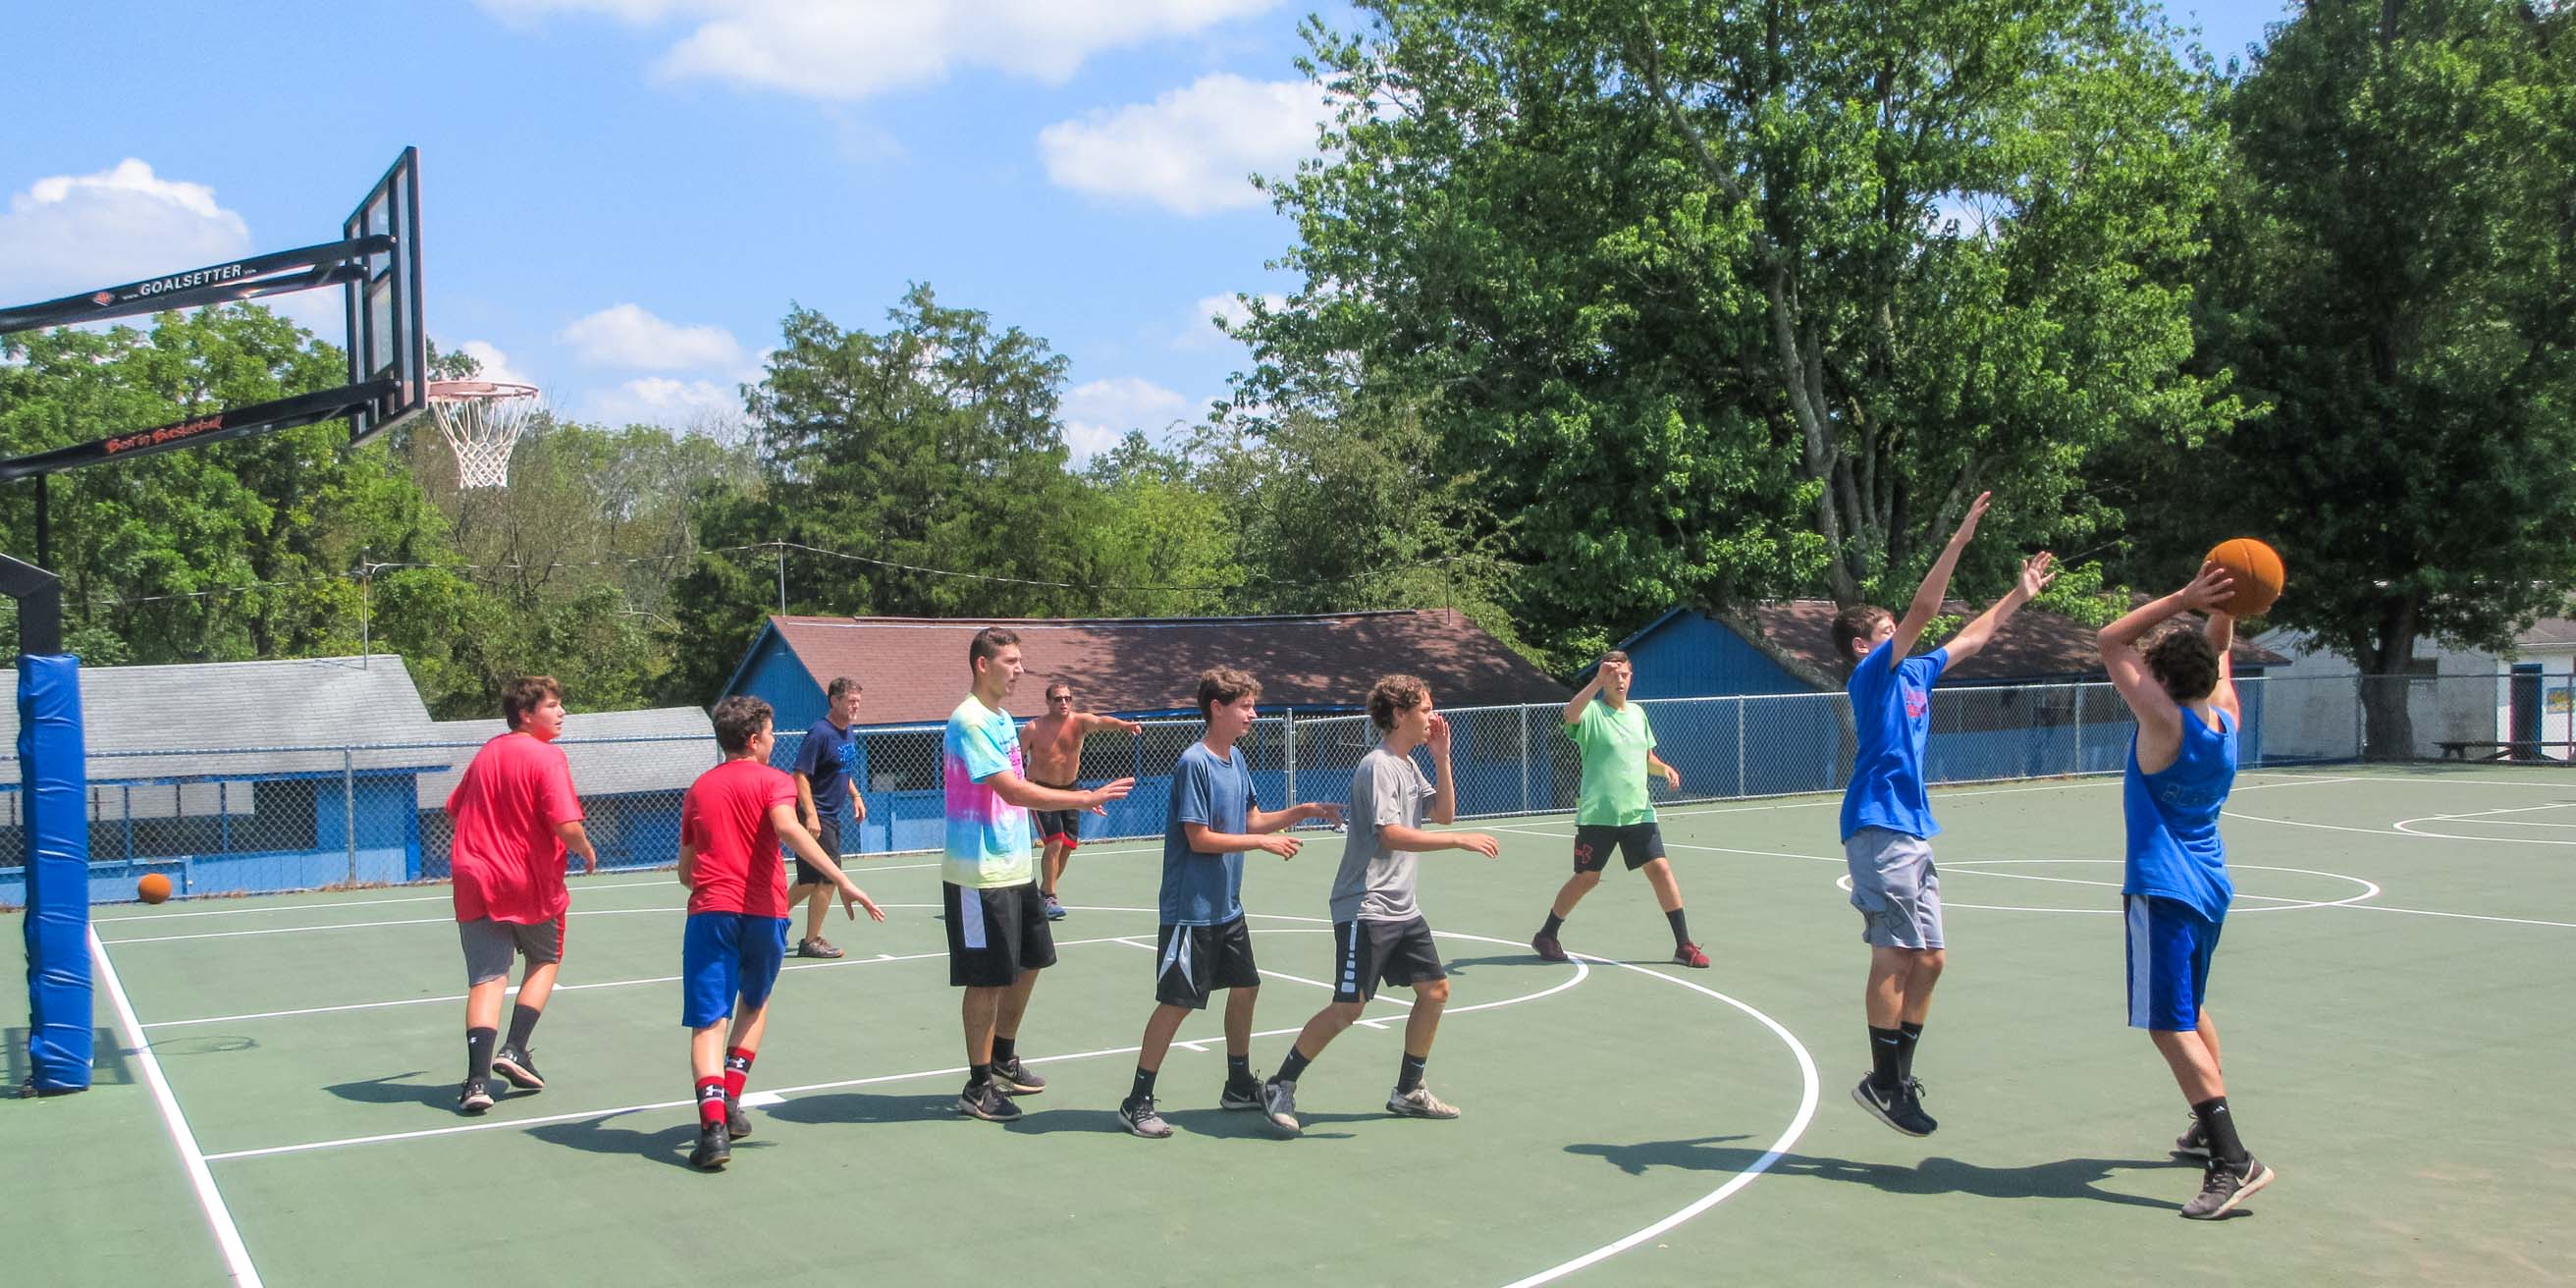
[[2036, 573], [2156, 710], [2221, 633], [1573, 713], [1028, 795], [1936, 584], [1090, 724]]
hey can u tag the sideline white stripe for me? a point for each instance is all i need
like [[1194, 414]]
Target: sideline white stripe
[[363, 925], [2464, 916], [227, 1236], [577, 888]]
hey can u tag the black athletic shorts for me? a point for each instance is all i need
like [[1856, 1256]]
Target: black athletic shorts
[[1639, 844], [1194, 961], [1394, 952], [1057, 824], [993, 935], [830, 839]]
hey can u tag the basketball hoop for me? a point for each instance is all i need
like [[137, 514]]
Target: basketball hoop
[[482, 420]]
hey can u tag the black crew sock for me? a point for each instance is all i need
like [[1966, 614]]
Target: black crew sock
[[1143, 1087], [1238, 1071], [1886, 1048], [523, 1021], [478, 1053], [1292, 1066], [1681, 927], [2220, 1127], [978, 1075], [1911, 1034], [1005, 1050], [1554, 924], [1409, 1075]]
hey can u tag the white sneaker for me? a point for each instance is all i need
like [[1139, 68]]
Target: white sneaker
[[1279, 1100], [1419, 1103]]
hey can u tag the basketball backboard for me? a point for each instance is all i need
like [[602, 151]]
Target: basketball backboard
[[387, 338]]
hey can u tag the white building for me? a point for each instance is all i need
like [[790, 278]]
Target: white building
[[2465, 702]]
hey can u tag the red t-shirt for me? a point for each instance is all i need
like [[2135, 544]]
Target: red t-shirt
[[508, 862], [726, 816]]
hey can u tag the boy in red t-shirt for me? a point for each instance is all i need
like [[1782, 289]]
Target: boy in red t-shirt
[[731, 824], [515, 813]]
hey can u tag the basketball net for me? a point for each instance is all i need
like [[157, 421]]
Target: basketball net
[[482, 420]]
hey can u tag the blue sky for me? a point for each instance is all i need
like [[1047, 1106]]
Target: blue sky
[[622, 197]]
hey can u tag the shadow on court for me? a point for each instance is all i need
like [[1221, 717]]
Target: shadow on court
[[860, 1107], [669, 1145], [387, 1090], [2066, 1178]]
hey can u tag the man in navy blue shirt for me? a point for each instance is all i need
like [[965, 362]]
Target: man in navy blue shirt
[[1204, 944], [1887, 822], [827, 796]]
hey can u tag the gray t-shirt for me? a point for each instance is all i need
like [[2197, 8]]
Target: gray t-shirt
[[1376, 883]]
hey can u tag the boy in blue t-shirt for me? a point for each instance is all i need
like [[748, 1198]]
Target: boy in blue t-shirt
[[2182, 764], [1204, 944], [1887, 825]]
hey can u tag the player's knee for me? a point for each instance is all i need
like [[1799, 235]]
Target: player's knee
[[1433, 991], [1342, 1015], [1928, 963]]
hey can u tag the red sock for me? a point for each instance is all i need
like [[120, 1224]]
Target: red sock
[[711, 1100], [737, 1072]]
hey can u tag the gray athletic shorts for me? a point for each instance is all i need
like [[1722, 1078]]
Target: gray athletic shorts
[[1896, 888], [490, 944]]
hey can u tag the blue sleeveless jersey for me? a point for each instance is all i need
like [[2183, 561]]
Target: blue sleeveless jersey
[[2174, 850]]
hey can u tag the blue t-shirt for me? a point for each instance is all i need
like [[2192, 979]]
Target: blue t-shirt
[[1205, 889], [2174, 850], [828, 757], [1892, 713]]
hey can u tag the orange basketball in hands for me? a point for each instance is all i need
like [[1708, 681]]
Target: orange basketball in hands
[[2257, 570], [153, 888]]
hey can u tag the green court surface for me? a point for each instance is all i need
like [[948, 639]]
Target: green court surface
[[2390, 993]]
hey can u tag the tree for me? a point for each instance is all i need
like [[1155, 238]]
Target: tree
[[1734, 300], [2396, 277]]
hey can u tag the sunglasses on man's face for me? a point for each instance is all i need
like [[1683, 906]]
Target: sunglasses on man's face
[[1061, 697]]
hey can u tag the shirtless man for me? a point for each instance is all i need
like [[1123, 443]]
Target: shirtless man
[[1053, 744]]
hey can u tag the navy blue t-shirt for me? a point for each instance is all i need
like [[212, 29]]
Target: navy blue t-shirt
[[1205, 889], [1892, 714], [828, 758]]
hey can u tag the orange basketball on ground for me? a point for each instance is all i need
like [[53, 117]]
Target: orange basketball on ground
[[2257, 570], [153, 888]]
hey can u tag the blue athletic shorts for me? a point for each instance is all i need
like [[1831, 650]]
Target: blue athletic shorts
[[724, 955], [2169, 950]]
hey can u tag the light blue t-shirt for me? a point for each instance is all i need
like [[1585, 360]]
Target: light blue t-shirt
[[1205, 889], [988, 837], [2174, 850], [1892, 714]]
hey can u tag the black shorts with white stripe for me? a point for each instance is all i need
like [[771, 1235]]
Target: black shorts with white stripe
[[1367, 953], [1194, 961]]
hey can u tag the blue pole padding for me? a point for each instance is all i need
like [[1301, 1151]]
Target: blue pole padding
[[54, 763]]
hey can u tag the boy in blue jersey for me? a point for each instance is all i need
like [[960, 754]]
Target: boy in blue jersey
[[2181, 765], [1204, 945], [1887, 825]]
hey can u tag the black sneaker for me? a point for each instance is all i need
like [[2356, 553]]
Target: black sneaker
[[474, 1097], [1138, 1114], [519, 1069], [1896, 1109], [1015, 1078], [715, 1148], [2193, 1143], [2222, 1187], [988, 1103], [737, 1119], [1914, 1093], [1241, 1095]]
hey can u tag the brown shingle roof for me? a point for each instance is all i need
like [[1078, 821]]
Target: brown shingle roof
[[915, 668], [2035, 644]]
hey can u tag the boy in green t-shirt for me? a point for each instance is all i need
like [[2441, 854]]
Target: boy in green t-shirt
[[1613, 809]]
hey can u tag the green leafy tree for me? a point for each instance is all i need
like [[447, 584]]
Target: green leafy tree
[[1732, 300], [2396, 278]]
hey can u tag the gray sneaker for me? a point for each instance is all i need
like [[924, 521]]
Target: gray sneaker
[[1141, 1118], [1279, 1100], [1419, 1103], [2193, 1143], [2223, 1187]]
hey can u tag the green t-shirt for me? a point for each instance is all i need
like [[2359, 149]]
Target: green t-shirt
[[1614, 746]]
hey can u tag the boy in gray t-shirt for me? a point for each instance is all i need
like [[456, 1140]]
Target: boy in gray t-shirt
[[1378, 932]]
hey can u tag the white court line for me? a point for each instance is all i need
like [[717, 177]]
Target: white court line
[[1199, 1044], [2464, 916], [211, 1200], [1581, 973], [365, 925], [332, 905]]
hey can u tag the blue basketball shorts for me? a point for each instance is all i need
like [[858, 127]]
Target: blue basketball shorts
[[724, 955], [2170, 945]]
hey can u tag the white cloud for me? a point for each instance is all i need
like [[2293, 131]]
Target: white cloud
[[660, 400], [494, 363], [1192, 150], [854, 49], [1203, 330], [624, 335], [74, 232], [1097, 415]]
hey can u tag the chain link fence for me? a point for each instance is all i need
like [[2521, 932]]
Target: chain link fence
[[251, 819]]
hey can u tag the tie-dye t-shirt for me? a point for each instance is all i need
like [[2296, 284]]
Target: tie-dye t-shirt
[[988, 837]]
